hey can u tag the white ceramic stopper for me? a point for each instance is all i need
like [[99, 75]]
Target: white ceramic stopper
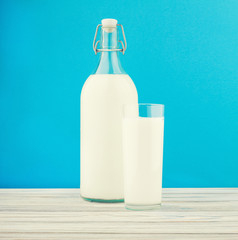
[[109, 24]]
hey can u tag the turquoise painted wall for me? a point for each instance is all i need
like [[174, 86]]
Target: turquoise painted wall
[[181, 53]]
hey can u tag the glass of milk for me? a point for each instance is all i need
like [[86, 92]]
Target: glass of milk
[[143, 133]]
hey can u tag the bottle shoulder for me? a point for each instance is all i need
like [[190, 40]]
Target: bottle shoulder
[[108, 82], [110, 79]]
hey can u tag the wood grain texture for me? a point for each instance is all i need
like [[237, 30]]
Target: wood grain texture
[[62, 214]]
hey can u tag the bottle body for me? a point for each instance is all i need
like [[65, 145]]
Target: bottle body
[[102, 100]]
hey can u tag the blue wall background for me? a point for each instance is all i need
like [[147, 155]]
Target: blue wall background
[[181, 53]]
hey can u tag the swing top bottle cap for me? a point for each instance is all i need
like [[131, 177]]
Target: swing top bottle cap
[[109, 26], [109, 23]]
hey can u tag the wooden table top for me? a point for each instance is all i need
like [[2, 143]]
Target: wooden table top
[[201, 213]]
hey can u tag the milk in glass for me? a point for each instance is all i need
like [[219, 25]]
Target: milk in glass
[[143, 158]]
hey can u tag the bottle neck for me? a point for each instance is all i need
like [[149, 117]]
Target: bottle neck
[[109, 62]]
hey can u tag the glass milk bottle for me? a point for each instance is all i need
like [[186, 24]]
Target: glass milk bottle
[[102, 98]]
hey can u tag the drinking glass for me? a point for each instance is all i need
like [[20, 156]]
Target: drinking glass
[[143, 133]]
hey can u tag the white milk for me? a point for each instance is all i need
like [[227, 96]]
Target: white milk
[[143, 157], [102, 100]]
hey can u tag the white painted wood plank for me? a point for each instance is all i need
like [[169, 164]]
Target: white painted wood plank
[[122, 227], [119, 216], [166, 196], [96, 207], [92, 236]]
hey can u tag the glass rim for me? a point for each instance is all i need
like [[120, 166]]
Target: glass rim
[[147, 110], [145, 104], [151, 104]]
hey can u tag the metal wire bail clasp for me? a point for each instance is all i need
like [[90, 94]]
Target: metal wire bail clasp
[[95, 44]]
